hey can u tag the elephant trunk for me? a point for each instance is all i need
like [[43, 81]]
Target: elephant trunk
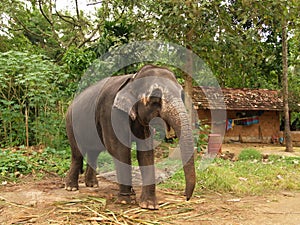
[[174, 113]]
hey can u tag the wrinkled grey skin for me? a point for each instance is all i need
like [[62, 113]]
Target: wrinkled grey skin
[[117, 111]]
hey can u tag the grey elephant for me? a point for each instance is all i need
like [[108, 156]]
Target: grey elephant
[[117, 111]]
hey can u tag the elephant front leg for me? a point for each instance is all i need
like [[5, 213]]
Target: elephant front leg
[[124, 176], [146, 162]]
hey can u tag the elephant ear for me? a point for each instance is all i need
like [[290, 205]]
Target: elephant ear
[[125, 100]]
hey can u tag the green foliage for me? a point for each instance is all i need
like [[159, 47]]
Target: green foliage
[[116, 32], [16, 163], [240, 41], [33, 100], [250, 154], [78, 60], [13, 163], [201, 136]]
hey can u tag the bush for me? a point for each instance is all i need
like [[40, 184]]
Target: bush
[[23, 161], [13, 163], [250, 154], [33, 100]]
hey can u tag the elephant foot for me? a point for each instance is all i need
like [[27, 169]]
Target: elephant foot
[[127, 198], [71, 186], [68, 188], [148, 198], [71, 180], [90, 177], [149, 204], [91, 182]]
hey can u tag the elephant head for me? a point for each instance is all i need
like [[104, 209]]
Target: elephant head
[[155, 92]]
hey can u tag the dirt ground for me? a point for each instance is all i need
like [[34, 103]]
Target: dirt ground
[[46, 202], [264, 148]]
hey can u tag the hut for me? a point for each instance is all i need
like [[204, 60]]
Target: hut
[[252, 115]]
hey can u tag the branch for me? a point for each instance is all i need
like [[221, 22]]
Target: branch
[[63, 18], [71, 41], [90, 37], [77, 10], [79, 19], [54, 34], [27, 30], [43, 13], [94, 3]]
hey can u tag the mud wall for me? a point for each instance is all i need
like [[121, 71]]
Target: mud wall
[[295, 137], [265, 130]]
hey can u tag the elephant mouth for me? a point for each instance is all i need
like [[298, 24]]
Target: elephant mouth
[[170, 133], [158, 123]]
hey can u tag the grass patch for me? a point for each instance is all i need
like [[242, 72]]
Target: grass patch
[[250, 154], [243, 177]]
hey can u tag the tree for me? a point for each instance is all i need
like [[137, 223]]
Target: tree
[[50, 31], [276, 16], [287, 133], [285, 13]]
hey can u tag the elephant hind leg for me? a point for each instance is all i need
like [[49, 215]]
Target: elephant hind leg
[[71, 181], [90, 174]]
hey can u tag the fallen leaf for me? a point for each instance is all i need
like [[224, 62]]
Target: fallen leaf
[[279, 177], [243, 179]]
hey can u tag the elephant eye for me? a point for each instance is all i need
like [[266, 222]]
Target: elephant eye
[[155, 104], [155, 101]]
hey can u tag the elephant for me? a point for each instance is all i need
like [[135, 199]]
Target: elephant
[[117, 111]]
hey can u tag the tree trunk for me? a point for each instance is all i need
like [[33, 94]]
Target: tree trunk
[[26, 126], [188, 92], [188, 80], [287, 132]]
